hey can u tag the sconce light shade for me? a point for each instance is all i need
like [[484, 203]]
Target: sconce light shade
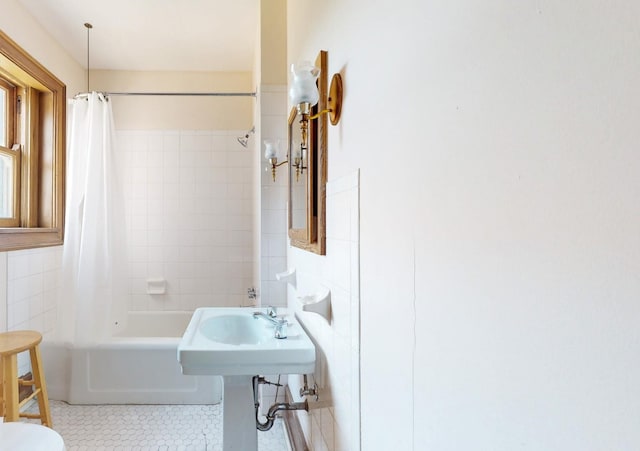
[[270, 149], [303, 87], [271, 154], [304, 94]]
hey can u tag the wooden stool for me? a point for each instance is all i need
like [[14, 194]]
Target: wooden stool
[[12, 343]]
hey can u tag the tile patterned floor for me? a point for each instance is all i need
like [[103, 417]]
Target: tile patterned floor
[[149, 428]]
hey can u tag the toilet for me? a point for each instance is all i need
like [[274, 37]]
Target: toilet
[[17, 436]]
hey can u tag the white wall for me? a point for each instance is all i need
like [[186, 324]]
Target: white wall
[[499, 245]]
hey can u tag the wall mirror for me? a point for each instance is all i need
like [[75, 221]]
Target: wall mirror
[[308, 172]]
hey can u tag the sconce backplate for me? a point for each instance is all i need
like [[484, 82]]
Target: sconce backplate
[[335, 99]]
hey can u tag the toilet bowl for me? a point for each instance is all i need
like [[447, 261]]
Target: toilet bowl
[[16, 436]]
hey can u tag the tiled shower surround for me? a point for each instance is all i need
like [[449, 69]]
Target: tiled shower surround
[[189, 217]]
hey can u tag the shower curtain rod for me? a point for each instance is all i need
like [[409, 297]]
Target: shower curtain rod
[[175, 94]]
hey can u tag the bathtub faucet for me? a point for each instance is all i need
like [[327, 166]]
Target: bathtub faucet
[[280, 324]]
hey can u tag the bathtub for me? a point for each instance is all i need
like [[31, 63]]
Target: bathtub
[[138, 365]]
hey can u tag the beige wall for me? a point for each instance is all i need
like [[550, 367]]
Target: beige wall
[[273, 34], [497, 147], [20, 26], [181, 112]]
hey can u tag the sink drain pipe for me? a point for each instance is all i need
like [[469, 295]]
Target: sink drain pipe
[[275, 408]]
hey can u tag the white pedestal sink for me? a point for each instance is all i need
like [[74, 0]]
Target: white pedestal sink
[[230, 342]]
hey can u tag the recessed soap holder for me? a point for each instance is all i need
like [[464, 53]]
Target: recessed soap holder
[[288, 276], [319, 303], [156, 285]]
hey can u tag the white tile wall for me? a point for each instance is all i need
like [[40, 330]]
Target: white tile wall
[[3, 291], [31, 292], [189, 217], [334, 422], [32, 283], [273, 104]]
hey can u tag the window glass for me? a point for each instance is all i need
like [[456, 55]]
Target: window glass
[[6, 185], [3, 118]]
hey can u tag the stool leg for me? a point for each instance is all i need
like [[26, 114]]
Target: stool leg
[[38, 378], [10, 387], [1, 391]]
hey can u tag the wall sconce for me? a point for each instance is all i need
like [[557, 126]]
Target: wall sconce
[[304, 95], [299, 160], [271, 154]]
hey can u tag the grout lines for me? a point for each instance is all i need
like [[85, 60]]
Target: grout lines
[[149, 428]]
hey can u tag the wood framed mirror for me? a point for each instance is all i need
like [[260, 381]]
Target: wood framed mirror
[[308, 173]]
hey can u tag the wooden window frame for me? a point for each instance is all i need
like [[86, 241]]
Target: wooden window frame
[[39, 131], [7, 150]]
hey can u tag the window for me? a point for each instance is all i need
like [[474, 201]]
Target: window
[[9, 158], [32, 151]]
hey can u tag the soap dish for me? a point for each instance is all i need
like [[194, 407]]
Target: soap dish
[[319, 303]]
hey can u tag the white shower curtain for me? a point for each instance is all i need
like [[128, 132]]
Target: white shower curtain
[[94, 229]]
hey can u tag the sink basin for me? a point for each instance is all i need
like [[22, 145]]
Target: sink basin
[[234, 330], [231, 342]]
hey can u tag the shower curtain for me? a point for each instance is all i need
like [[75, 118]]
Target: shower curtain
[[94, 229]]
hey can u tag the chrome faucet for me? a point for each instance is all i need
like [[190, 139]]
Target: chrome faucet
[[280, 324]]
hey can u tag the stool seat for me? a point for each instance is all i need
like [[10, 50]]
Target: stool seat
[[18, 341], [29, 437], [11, 344]]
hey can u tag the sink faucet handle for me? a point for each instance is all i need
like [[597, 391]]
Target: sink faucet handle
[[272, 311], [280, 330]]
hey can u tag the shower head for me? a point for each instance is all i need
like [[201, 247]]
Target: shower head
[[244, 140]]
